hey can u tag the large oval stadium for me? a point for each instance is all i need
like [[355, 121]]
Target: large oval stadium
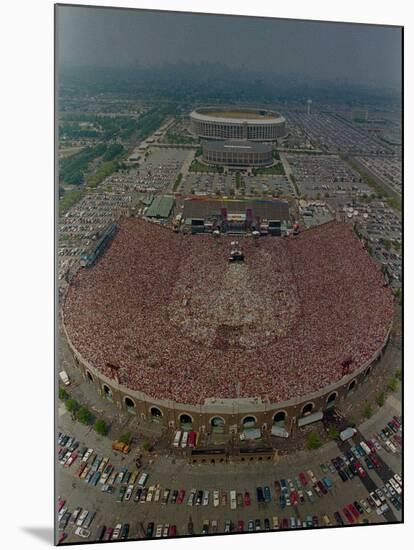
[[237, 123], [166, 327]]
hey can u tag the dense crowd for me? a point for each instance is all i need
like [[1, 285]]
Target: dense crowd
[[182, 323]]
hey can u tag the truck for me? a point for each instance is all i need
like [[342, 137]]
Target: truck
[[121, 447], [63, 375]]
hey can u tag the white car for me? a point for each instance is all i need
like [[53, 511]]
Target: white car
[[128, 492], [376, 500], [62, 512], [205, 498], [84, 533], [275, 522], [398, 479], [158, 532], [395, 485], [365, 506], [142, 480], [233, 500], [190, 501], [166, 530], [150, 493], [81, 518], [216, 499], [312, 476], [87, 455], [157, 494], [117, 531]]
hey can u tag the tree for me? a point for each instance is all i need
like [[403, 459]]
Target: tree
[[313, 441], [333, 432], [380, 399], [63, 394], [84, 416], [392, 384], [72, 405], [367, 411], [126, 438], [101, 427]]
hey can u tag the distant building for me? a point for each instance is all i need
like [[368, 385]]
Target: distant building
[[241, 153], [237, 123]]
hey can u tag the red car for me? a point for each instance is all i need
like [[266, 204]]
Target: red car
[[294, 497], [285, 523], [240, 526], [348, 516], [374, 461], [246, 498], [353, 511], [303, 479], [322, 487], [371, 446], [172, 531], [108, 533], [62, 537], [361, 471], [60, 504], [180, 496]]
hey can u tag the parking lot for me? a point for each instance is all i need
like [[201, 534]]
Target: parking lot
[[305, 486]]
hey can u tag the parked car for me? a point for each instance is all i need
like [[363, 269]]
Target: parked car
[[124, 531], [150, 530], [81, 532]]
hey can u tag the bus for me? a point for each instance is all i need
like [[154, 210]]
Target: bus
[[177, 438], [192, 439], [184, 440]]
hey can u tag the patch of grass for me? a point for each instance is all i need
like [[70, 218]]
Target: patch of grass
[[313, 441], [380, 400], [392, 384], [72, 405], [63, 394], [368, 411], [126, 438], [84, 416], [333, 432], [101, 427]]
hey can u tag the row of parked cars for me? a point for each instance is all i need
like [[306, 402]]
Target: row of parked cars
[[291, 492], [80, 519], [390, 437]]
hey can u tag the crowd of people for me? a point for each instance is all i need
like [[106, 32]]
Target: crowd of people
[[182, 323]]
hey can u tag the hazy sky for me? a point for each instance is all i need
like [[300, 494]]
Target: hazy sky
[[114, 37]]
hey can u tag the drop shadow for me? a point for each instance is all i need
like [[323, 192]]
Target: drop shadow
[[45, 534]]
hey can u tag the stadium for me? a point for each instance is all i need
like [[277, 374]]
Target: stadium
[[240, 154], [229, 123], [166, 327]]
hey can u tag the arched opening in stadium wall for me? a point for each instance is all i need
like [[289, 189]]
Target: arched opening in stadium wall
[[130, 405], [107, 392], [217, 424], [156, 414], [307, 409], [249, 422], [330, 402], [186, 422], [279, 419], [351, 387]]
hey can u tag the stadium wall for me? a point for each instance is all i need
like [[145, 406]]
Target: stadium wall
[[232, 412]]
